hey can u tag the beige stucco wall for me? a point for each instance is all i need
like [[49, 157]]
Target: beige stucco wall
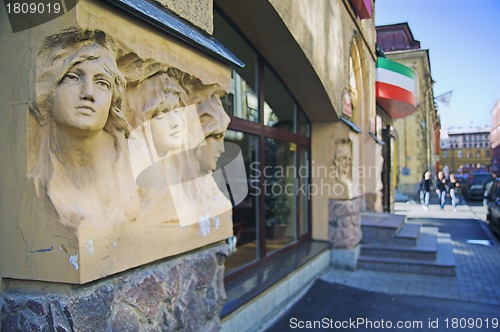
[[324, 30], [197, 12]]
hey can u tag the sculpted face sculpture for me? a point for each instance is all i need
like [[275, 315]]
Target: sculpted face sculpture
[[166, 129], [82, 131], [161, 111], [214, 122], [77, 212], [83, 98], [343, 159], [153, 102]]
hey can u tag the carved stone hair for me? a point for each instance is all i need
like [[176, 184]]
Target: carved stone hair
[[144, 97]]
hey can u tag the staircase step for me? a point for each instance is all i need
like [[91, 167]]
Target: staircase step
[[424, 249], [380, 227], [408, 235], [443, 265]]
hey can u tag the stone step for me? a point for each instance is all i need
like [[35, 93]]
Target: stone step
[[380, 227], [408, 235], [424, 249], [443, 265]]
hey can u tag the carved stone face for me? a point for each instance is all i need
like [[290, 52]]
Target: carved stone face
[[166, 128], [82, 99], [343, 158], [211, 152], [214, 122]]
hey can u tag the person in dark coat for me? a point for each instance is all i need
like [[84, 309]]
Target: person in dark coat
[[441, 189], [425, 190], [454, 187]]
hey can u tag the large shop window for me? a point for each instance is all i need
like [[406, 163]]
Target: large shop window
[[273, 133]]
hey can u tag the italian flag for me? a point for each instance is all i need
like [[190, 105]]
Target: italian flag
[[395, 86]]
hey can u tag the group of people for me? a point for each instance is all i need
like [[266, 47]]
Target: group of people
[[443, 187]]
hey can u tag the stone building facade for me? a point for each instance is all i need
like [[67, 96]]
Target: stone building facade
[[417, 146]]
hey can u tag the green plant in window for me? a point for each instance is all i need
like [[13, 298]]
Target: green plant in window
[[277, 210], [281, 210]]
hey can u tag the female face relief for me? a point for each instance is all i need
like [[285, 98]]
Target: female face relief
[[82, 99], [166, 129]]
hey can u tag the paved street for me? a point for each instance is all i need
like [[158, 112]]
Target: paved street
[[473, 293]]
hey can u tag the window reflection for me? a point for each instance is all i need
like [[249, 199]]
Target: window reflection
[[280, 192], [242, 100], [304, 128], [245, 225], [279, 106]]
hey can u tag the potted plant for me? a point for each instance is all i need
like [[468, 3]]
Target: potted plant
[[278, 213]]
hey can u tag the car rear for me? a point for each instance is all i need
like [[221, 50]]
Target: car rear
[[476, 185]]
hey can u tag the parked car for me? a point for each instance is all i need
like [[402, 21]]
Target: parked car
[[493, 214], [475, 185], [462, 178]]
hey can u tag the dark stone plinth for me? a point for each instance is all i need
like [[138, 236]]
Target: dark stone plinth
[[185, 293]]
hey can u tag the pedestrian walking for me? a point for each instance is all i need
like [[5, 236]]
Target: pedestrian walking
[[425, 190], [441, 189], [446, 171], [454, 187], [487, 189]]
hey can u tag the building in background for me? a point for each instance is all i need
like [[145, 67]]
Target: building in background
[[495, 135], [417, 146], [465, 148]]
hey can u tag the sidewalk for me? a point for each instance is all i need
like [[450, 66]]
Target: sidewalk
[[473, 293]]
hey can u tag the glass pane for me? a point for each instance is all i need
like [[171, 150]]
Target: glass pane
[[304, 127], [279, 105], [245, 214], [303, 192], [280, 191], [242, 99]]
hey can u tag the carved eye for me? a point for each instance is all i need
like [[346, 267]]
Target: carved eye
[[70, 77], [217, 136], [104, 84], [159, 115]]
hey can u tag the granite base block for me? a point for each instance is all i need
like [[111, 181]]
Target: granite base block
[[345, 259], [185, 293]]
